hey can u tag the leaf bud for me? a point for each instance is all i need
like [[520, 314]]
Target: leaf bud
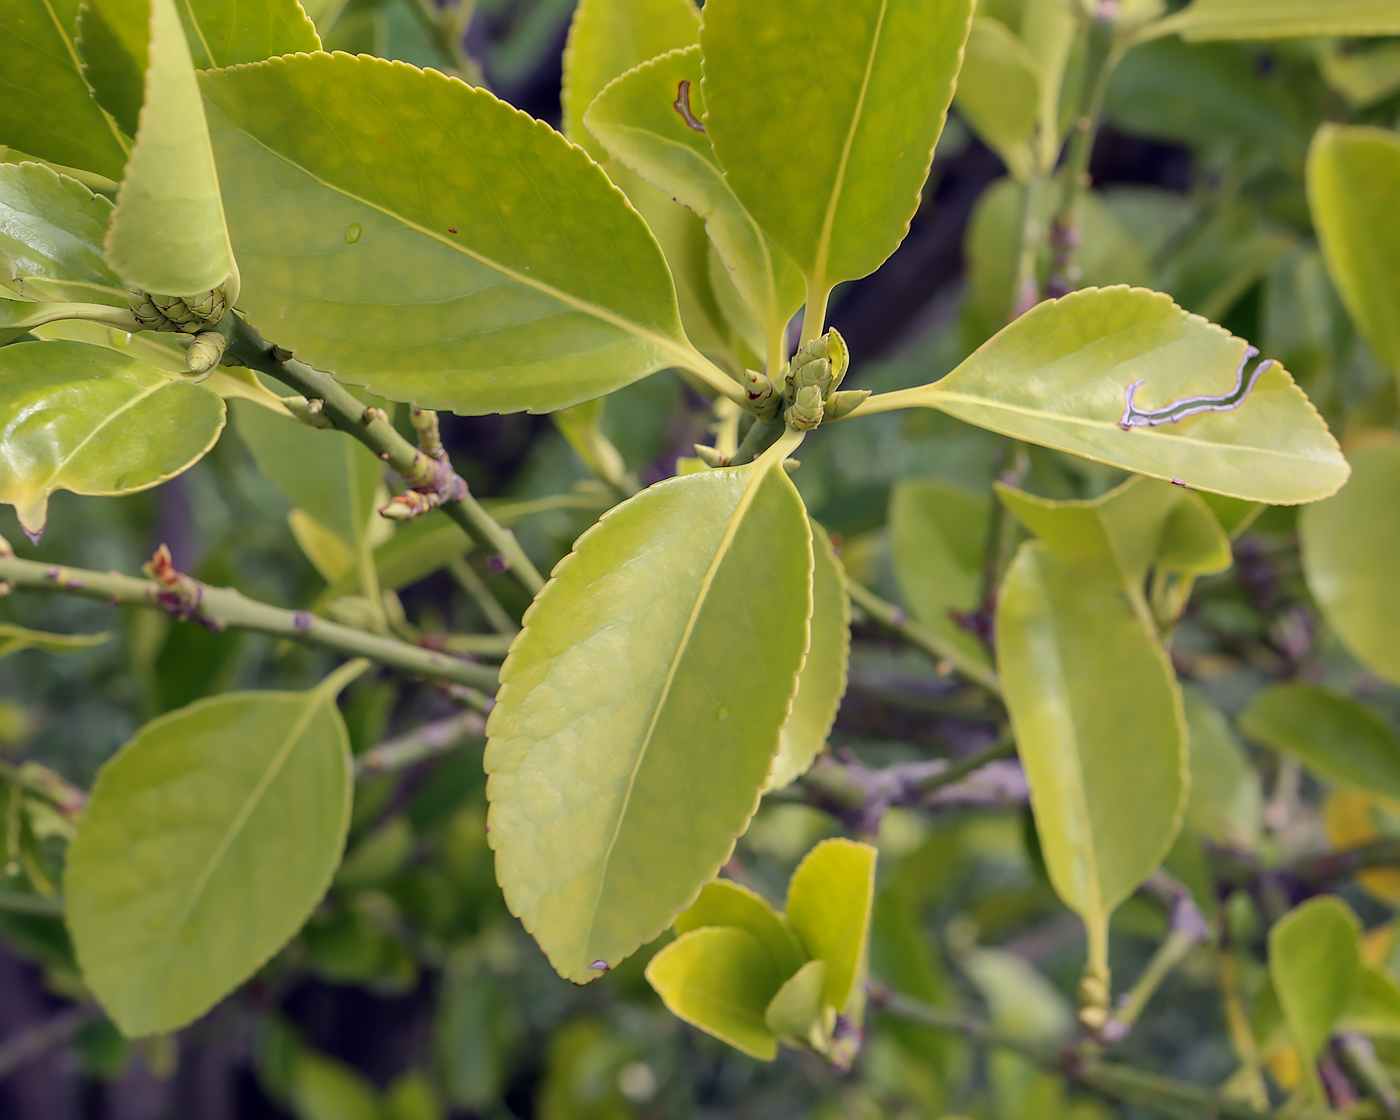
[[838, 355], [710, 456], [805, 412], [761, 394], [844, 403], [206, 351]]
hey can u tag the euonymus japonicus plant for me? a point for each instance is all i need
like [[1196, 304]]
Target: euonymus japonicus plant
[[219, 215]]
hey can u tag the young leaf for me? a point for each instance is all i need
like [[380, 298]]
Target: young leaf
[[719, 979], [45, 108], [489, 281], [1099, 727], [1337, 737], [636, 119], [723, 903], [1226, 803], [938, 535], [1353, 181], [51, 229], [1057, 376], [828, 903], [87, 419], [168, 234], [825, 117], [795, 1013], [1314, 957], [822, 682], [1349, 545], [1289, 19], [15, 638], [638, 718], [999, 93], [206, 843], [610, 37]]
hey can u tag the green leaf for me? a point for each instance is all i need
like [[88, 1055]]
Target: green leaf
[[1226, 803], [1353, 181], [724, 903], [610, 37], [323, 1089], [938, 535], [45, 107], [825, 118], [1374, 1007], [999, 93], [1314, 957], [719, 979], [795, 1013], [822, 682], [1057, 377], [637, 122], [15, 638], [51, 230], [1349, 545], [1337, 737], [672, 634], [87, 419], [207, 841], [1281, 19], [168, 234], [828, 903], [1099, 727], [354, 265]]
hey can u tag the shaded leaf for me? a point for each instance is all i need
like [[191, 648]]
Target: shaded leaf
[[999, 93], [206, 842], [719, 979], [1374, 1006], [322, 1088], [1058, 374], [1281, 19], [827, 138], [15, 638], [87, 419], [354, 265], [1226, 803], [1338, 738], [636, 722], [723, 903], [829, 902], [795, 1013], [51, 230]]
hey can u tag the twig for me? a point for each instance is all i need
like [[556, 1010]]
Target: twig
[[465, 575], [222, 608], [345, 412], [936, 646], [26, 1045], [1359, 1055], [428, 741], [32, 905]]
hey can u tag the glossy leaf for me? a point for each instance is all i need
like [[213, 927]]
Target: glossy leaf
[[636, 120], [1350, 818], [720, 980], [1057, 377], [999, 93], [168, 233], [1282, 19], [51, 230], [87, 419], [1314, 957], [822, 682], [723, 903], [828, 903], [1099, 727], [354, 264], [795, 1013], [938, 535], [828, 143], [207, 841], [1338, 738], [1353, 180], [1349, 545], [45, 107], [15, 638], [636, 723], [1226, 803], [610, 37]]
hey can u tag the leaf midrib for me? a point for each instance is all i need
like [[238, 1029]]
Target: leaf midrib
[[129, 404]]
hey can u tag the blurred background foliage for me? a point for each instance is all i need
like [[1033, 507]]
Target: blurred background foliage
[[412, 994]]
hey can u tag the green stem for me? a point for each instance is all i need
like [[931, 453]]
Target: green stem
[[118, 317], [1360, 1057], [1240, 1028], [428, 741], [1170, 953], [466, 577], [814, 315], [1026, 293], [222, 608], [938, 647], [762, 435], [30, 905], [1005, 747], [347, 413]]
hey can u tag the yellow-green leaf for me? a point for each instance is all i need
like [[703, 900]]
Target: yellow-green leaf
[[795, 1013], [207, 841], [822, 682], [1340, 739], [720, 980], [15, 638], [1374, 1007], [1058, 375], [1281, 19], [825, 117], [999, 93], [724, 903], [87, 419], [608, 38], [636, 120], [507, 274], [45, 107], [1099, 727], [640, 709], [168, 234], [828, 903], [1353, 181], [1349, 546], [1226, 803]]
